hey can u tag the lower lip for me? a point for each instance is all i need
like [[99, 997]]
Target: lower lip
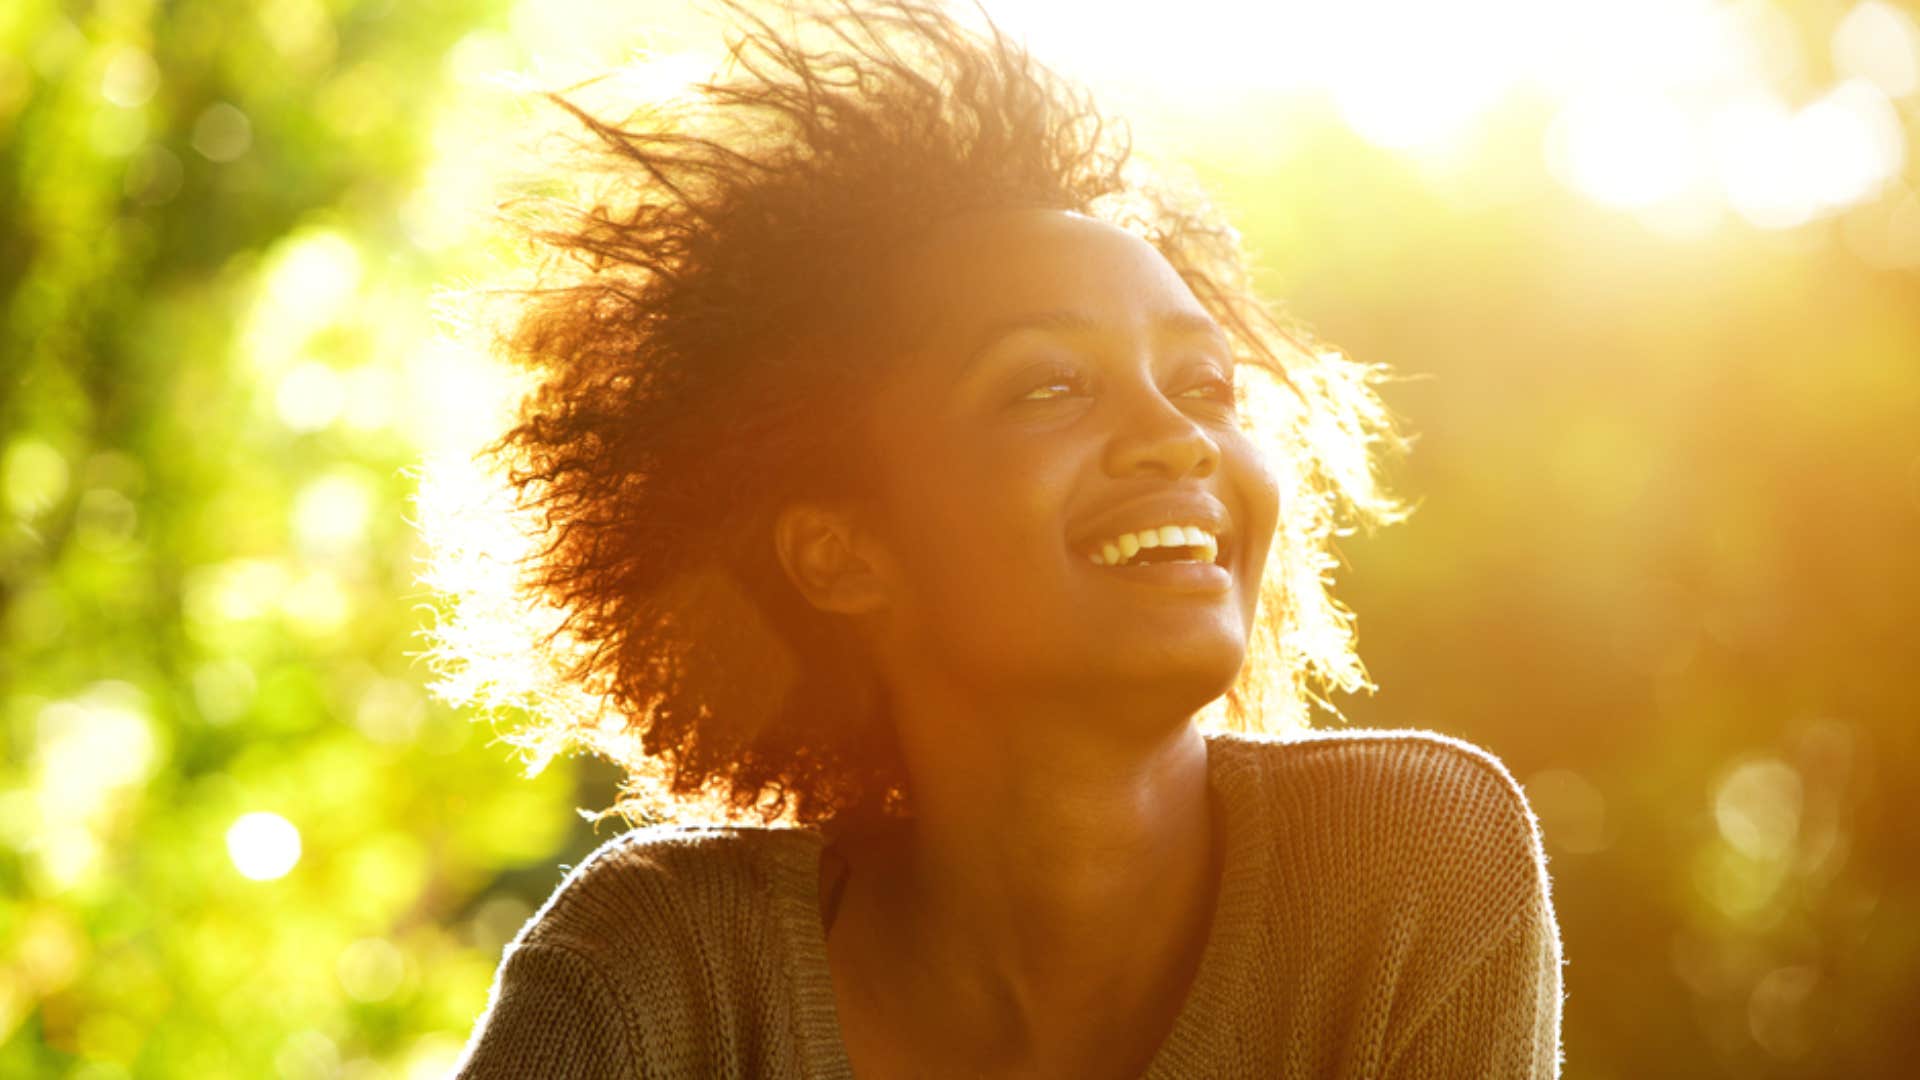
[[1188, 577]]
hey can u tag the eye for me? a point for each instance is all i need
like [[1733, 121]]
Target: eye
[[1052, 383], [1214, 387]]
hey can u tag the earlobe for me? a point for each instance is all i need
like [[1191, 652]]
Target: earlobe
[[820, 550]]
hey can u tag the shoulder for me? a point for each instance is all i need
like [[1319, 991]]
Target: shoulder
[[1442, 779], [653, 950], [662, 887], [1415, 811], [1361, 751], [1404, 871]]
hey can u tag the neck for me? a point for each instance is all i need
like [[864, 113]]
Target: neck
[[1052, 861]]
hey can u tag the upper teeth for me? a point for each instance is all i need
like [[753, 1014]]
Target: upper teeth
[[1118, 549]]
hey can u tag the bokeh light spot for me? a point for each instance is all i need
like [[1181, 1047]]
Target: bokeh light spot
[[223, 689], [331, 514], [390, 711], [370, 969], [222, 133], [90, 747], [309, 279], [1625, 150], [34, 477], [307, 1055], [317, 602], [309, 396], [1776, 1011], [153, 175], [1879, 42], [263, 846], [129, 78], [1854, 137], [1757, 809]]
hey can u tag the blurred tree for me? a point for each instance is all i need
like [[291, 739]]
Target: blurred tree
[[215, 284]]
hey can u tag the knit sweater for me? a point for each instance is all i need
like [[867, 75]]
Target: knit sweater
[[1383, 911]]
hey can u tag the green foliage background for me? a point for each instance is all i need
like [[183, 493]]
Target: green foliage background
[[1665, 562]]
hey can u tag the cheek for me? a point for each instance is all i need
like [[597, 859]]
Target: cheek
[[1259, 483], [969, 527]]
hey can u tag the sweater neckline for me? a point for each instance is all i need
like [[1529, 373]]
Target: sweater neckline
[[1210, 997]]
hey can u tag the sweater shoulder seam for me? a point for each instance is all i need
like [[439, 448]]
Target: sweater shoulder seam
[[1515, 923], [603, 985]]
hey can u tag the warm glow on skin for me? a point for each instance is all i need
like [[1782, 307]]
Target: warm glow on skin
[[1044, 704], [1000, 438]]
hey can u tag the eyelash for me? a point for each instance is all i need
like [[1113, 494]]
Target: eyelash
[[1222, 390]]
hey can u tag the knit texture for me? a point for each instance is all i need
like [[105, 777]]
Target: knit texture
[[1383, 912]]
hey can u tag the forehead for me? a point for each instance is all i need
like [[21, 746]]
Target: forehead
[[984, 267]]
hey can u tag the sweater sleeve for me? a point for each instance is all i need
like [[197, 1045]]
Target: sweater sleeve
[[1501, 1019], [551, 1015]]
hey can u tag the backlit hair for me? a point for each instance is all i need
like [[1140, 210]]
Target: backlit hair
[[704, 308]]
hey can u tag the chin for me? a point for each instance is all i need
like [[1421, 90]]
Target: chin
[[1184, 680]]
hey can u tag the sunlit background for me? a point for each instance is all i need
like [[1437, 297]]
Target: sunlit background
[[1650, 269]]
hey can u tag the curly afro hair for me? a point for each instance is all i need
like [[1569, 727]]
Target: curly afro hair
[[708, 305]]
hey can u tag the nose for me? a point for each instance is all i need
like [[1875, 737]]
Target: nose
[[1154, 436]]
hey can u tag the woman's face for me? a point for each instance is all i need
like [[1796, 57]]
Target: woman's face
[[1067, 397]]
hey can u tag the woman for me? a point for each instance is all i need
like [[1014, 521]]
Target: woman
[[897, 457]]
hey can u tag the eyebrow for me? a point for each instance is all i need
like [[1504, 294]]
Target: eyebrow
[[1065, 321]]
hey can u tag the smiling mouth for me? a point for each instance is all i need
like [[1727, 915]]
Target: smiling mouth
[[1183, 569], [1167, 544]]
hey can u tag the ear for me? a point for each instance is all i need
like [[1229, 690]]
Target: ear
[[828, 559]]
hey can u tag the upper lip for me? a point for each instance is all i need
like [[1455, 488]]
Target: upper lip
[[1156, 509]]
